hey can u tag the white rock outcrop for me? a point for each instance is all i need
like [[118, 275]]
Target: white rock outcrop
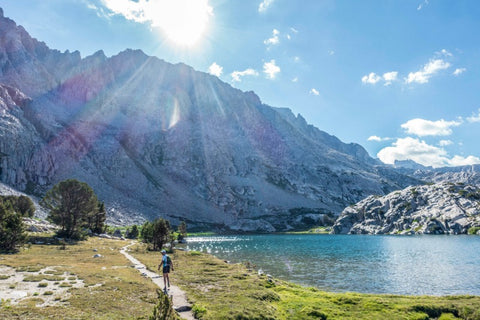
[[442, 208]]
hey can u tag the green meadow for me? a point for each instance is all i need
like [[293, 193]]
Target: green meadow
[[216, 289]]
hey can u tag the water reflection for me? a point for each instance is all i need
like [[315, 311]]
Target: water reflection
[[434, 265]]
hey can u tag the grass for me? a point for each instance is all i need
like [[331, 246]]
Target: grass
[[316, 230], [219, 290], [123, 293]]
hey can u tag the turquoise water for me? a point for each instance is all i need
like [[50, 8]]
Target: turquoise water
[[416, 265]]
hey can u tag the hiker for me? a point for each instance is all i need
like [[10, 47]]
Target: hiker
[[166, 265]]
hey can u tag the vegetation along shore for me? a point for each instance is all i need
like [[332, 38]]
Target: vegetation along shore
[[112, 289]]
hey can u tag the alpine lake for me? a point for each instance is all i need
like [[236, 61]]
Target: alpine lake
[[407, 265]]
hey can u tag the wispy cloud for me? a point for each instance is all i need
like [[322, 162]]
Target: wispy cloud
[[378, 139], [428, 70], [443, 53], [295, 79], [99, 11], [444, 143], [314, 91], [274, 39], [215, 69], [422, 127], [419, 151], [459, 71], [474, 117], [264, 5], [271, 69], [422, 5], [238, 75]]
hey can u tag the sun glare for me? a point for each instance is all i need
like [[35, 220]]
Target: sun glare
[[183, 21]]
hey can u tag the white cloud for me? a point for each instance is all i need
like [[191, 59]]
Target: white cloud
[[459, 71], [444, 143], [274, 39], [331, 52], [182, 20], [461, 161], [444, 53], [378, 139], [428, 70], [419, 151], [421, 127], [293, 30], [264, 5], [296, 59], [215, 69], [474, 118], [314, 91], [271, 69], [236, 75], [390, 77], [422, 5], [295, 79], [372, 78]]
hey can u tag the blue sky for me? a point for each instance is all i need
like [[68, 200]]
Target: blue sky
[[399, 77]]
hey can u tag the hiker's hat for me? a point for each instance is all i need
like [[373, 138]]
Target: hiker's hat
[[163, 251]]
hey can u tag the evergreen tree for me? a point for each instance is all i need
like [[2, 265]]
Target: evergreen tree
[[182, 231], [73, 205], [147, 232], [161, 233], [21, 204], [132, 233], [12, 232], [97, 220], [156, 233]]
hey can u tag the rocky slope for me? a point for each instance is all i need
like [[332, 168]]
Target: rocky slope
[[157, 139], [443, 208]]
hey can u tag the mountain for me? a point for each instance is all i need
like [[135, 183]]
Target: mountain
[[443, 208], [155, 139]]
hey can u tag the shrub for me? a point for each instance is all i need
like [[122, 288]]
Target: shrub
[[198, 311], [473, 230], [164, 308]]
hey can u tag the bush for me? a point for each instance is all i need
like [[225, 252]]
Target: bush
[[473, 230], [164, 308]]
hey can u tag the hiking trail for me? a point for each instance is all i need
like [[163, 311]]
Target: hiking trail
[[179, 297]]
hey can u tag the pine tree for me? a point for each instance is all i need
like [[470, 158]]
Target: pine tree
[[182, 231], [12, 232], [73, 205]]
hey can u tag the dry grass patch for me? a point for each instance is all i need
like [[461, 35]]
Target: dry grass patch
[[109, 293]]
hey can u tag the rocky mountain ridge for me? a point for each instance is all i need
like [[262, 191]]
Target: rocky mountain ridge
[[442, 208], [156, 139]]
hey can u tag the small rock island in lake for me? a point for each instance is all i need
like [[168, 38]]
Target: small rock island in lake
[[443, 208]]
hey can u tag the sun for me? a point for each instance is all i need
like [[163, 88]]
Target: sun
[[183, 21]]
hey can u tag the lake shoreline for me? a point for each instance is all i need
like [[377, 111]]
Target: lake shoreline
[[357, 263]]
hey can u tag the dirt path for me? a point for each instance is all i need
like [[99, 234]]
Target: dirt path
[[180, 303]]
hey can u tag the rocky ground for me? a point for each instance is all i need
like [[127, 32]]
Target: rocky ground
[[48, 285], [443, 208]]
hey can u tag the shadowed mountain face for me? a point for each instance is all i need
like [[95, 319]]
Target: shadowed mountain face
[[156, 139]]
